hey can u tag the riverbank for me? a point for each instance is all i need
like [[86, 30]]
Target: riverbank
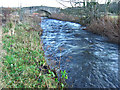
[[24, 64], [106, 26], [64, 17]]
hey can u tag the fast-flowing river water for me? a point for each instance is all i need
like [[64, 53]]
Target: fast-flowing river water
[[89, 60]]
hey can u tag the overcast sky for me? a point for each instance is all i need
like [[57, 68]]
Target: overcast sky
[[24, 3]]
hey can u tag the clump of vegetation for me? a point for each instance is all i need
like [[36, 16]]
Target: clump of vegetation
[[24, 65], [106, 26]]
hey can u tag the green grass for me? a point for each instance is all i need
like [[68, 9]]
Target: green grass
[[24, 60], [114, 16]]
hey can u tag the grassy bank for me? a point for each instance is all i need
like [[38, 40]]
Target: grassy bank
[[24, 64]]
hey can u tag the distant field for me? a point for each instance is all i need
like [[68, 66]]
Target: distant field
[[114, 16]]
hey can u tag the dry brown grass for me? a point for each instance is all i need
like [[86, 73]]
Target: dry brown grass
[[33, 20], [63, 17], [106, 26]]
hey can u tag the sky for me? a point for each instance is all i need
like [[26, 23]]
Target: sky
[[26, 3]]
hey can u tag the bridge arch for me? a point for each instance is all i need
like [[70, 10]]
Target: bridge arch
[[44, 13]]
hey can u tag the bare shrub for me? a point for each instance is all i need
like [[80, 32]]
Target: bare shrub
[[7, 14]]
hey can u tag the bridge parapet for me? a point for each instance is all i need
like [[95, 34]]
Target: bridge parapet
[[42, 8]]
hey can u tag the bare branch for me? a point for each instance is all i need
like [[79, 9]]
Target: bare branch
[[61, 3]]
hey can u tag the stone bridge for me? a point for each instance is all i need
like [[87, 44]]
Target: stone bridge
[[42, 10]]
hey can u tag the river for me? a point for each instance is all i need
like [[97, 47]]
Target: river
[[89, 59]]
